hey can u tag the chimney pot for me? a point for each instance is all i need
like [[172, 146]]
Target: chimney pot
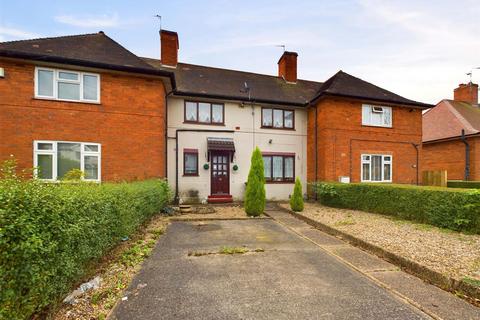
[[466, 93], [287, 66], [169, 48]]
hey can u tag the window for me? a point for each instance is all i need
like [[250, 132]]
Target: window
[[204, 112], [190, 162], [278, 118], [376, 116], [279, 168], [376, 168], [55, 158], [67, 85]]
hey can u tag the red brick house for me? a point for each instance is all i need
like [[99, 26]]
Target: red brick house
[[451, 135], [87, 102]]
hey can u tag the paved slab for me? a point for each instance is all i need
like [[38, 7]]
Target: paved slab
[[293, 279]]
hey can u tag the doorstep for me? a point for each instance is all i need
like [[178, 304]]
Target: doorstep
[[222, 198]]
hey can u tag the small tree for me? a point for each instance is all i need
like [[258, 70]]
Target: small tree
[[255, 193], [296, 201]]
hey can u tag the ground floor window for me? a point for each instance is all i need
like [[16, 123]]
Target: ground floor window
[[279, 167], [55, 158], [190, 162], [376, 168]]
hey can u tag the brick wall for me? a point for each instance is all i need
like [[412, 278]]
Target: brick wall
[[342, 139], [450, 156], [129, 122]]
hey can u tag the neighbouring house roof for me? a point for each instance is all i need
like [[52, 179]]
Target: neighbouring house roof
[[448, 118], [95, 50]]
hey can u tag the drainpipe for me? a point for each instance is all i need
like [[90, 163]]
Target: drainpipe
[[176, 199], [166, 133], [316, 149], [416, 149], [467, 156]]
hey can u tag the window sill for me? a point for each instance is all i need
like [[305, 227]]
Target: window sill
[[190, 175], [205, 123], [69, 101], [273, 128], [373, 126], [280, 182]]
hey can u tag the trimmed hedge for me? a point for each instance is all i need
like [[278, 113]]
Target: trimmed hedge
[[463, 184], [50, 232], [455, 209]]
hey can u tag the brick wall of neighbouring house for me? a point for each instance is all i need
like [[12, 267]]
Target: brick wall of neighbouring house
[[342, 139], [129, 122], [450, 156]]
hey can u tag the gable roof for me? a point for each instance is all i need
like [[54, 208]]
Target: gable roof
[[343, 84], [195, 80], [95, 50], [448, 118]]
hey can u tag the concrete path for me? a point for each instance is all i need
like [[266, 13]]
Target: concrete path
[[294, 278]]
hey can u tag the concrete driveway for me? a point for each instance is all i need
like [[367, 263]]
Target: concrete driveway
[[292, 279]]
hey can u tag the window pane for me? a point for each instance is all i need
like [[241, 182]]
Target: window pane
[[45, 164], [277, 168], [90, 84], [91, 167], [376, 168], [267, 167], [204, 112], [387, 116], [366, 114], [68, 157], [191, 111], [70, 91], [217, 113], [289, 167], [278, 118], [288, 119], [44, 146], [191, 163], [376, 119], [267, 117], [366, 172], [67, 75], [386, 171], [91, 148], [45, 83]]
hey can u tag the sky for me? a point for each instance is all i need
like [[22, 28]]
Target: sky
[[418, 49]]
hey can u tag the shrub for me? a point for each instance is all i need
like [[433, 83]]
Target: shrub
[[296, 201], [255, 192], [50, 232], [454, 209], [73, 175], [463, 184]]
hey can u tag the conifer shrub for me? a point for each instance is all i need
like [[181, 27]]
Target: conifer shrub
[[296, 201], [255, 192]]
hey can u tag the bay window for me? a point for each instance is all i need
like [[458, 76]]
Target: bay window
[[376, 168], [67, 85], [279, 167], [53, 159]]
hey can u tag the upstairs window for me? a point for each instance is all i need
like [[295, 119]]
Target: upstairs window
[[376, 116], [376, 168], [279, 167], [278, 118], [204, 112], [55, 158], [67, 85]]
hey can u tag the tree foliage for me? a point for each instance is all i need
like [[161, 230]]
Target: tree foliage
[[296, 201], [255, 193]]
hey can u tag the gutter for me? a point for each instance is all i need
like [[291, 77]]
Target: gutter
[[467, 155], [176, 199]]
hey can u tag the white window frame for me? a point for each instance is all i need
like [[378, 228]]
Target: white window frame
[[56, 80], [377, 109], [54, 155], [369, 162]]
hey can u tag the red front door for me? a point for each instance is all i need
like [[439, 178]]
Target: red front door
[[220, 180]]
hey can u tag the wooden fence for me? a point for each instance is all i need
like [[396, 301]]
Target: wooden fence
[[435, 178]]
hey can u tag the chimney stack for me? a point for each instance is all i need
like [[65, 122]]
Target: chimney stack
[[169, 48], [287, 66], [466, 93]]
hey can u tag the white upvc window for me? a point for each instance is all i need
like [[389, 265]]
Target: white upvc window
[[377, 116], [52, 159], [67, 85], [376, 168]]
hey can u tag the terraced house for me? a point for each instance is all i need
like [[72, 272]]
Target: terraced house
[[86, 102]]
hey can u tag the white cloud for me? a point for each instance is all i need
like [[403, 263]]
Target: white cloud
[[7, 33], [90, 21]]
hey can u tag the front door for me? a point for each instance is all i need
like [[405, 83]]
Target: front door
[[220, 181]]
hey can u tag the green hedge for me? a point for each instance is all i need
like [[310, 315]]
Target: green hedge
[[463, 184], [456, 209], [50, 232]]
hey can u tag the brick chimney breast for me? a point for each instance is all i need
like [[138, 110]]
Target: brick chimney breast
[[287, 66], [466, 93], [169, 48]]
